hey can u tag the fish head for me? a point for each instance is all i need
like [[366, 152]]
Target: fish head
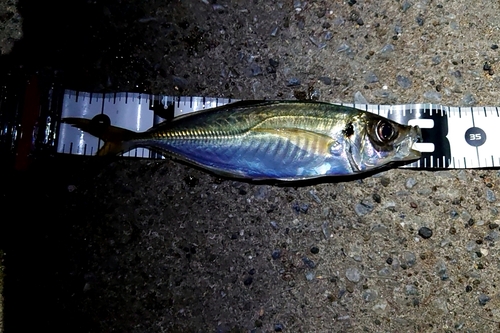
[[375, 141]]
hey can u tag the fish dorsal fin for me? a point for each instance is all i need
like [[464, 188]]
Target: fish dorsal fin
[[316, 143]]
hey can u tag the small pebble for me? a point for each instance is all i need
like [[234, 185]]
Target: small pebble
[[457, 74], [326, 80], [466, 216], [278, 328], [309, 263], [432, 96], [387, 49], [390, 205], [494, 46], [376, 197], [409, 258], [492, 236], [468, 288], [363, 208], [444, 174], [411, 289], [310, 276], [371, 77], [218, 8], [314, 250], [405, 6], [254, 70], [313, 195], [351, 2], [490, 195], [353, 275], [453, 214], [385, 181], [441, 270], [274, 32], [315, 42], [338, 21], [462, 175], [354, 15], [470, 246], [359, 98], [420, 20], [389, 261], [483, 299], [293, 82], [326, 230], [410, 182], [276, 254], [301, 23], [343, 48], [328, 35], [425, 232], [297, 5], [469, 100], [493, 225], [248, 281], [273, 63], [304, 208], [403, 81], [378, 228], [436, 60], [300, 208], [369, 295]]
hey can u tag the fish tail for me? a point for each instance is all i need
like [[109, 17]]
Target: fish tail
[[116, 140]]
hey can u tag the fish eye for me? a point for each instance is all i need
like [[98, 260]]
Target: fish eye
[[385, 131]]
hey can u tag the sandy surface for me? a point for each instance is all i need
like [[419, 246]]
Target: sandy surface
[[146, 246]]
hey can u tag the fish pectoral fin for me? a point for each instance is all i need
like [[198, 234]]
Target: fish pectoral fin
[[317, 143]]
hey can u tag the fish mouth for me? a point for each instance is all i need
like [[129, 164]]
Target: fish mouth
[[405, 150]]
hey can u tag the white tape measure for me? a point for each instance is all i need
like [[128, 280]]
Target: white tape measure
[[453, 137]]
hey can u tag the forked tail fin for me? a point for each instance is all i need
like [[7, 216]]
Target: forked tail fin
[[116, 140]]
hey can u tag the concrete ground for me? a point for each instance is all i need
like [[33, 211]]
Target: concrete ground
[[148, 246]]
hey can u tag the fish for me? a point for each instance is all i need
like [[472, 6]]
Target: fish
[[270, 140]]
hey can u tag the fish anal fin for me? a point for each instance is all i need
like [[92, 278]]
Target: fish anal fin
[[112, 148]]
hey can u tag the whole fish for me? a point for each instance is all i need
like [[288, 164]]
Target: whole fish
[[283, 140]]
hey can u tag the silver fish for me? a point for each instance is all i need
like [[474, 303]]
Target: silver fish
[[283, 140]]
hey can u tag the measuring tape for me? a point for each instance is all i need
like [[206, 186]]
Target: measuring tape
[[453, 137]]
